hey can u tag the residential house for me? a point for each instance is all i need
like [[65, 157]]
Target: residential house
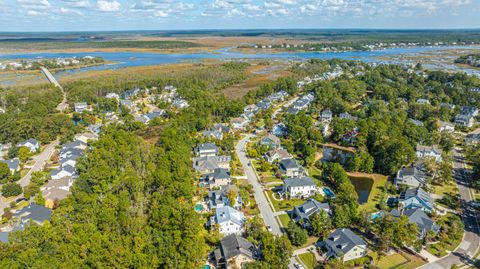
[[234, 252], [207, 149], [221, 197], [128, 104], [129, 94], [416, 216], [229, 220], [422, 101], [80, 107], [416, 122], [180, 103], [264, 104], [447, 105], [208, 164], [95, 129], [299, 187], [270, 141], [301, 214], [473, 138], [217, 131], [86, 137], [13, 165], [32, 144], [220, 177], [344, 244], [250, 109], [33, 213], [56, 190], [112, 95], [469, 110], [290, 168], [279, 129], [146, 118], [411, 176], [76, 144], [277, 154], [326, 115], [64, 171], [347, 116], [416, 198], [446, 127], [465, 120], [239, 123], [292, 111], [429, 151]]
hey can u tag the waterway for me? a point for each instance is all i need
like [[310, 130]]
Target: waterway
[[134, 59]]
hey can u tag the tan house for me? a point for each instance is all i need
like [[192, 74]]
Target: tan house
[[234, 252]]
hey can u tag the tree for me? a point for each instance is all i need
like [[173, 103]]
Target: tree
[[4, 171], [276, 250], [39, 200], [321, 224], [23, 154], [11, 189], [296, 234]]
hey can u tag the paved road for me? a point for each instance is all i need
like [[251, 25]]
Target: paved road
[[265, 210], [40, 161], [287, 104], [471, 242]]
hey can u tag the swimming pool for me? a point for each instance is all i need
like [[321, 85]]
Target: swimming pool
[[328, 192], [376, 215], [198, 207]]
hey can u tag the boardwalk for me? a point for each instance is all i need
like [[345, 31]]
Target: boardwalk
[[63, 105]]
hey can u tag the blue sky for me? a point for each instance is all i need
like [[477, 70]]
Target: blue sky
[[93, 15]]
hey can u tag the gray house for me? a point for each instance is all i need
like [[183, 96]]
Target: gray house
[[424, 223], [302, 213], [410, 176], [344, 244], [417, 198], [290, 168], [234, 251], [13, 165], [207, 149], [208, 164]]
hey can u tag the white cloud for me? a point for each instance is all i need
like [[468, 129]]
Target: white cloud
[[161, 14], [78, 3], [69, 11], [108, 6]]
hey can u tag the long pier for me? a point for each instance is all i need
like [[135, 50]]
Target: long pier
[[50, 77]]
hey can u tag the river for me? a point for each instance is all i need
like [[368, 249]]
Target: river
[[133, 59]]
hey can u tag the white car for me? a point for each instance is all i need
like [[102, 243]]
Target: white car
[[298, 266]]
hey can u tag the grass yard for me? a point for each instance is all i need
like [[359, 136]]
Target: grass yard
[[308, 259], [315, 174], [310, 241], [284, 219], [284, 204], [399, 260], [24, 172], [446, 188], [376, 192]]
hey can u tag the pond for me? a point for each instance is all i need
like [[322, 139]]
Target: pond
[[363, 187]]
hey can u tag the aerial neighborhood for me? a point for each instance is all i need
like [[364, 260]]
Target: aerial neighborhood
[[323, 170]]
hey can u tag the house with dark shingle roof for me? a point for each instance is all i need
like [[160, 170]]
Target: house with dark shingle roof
[[208, 164], [33, 212], [219, 177], [302, 213], [206, 149], [417, 216], [344, 244], [429, 151], [13, 165], [220, 198], [32, 144], [234, 251], [291, 168], [416, 198], [411, 176]]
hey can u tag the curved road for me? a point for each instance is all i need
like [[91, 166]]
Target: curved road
[[471, 241]]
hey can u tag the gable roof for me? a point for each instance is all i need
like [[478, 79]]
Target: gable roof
[[309, 208], [209, 162], [344, 240], [412, 171], [34, 212], [418, 193], [228, 213], [424, 223], [234, 245], [13, 164], [289, 164], [298, 182]]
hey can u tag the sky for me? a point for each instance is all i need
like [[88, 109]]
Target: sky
[[105, 15]]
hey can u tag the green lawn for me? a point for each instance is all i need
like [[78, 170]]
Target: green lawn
[[445, 188], [284, 219], [310, 241], [397, 261], [315, 174], [376, 192], [23, 172], [308, 259], [284, 204]]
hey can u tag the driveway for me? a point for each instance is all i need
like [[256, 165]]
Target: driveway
[[40, 161], [265, 209], [471, 241]]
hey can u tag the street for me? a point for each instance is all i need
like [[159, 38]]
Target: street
[[40, 161], [471, 241], [265, 209]]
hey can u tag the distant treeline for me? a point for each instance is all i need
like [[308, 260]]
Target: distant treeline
[[470, 59], [99, 45]]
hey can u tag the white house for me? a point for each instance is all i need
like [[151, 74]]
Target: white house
[[446, 127], [32, 144], [343, 243], [80, 107], [299, 187], [239, 123], [410, 176], [207, 149], [429, 151], [229, 220]]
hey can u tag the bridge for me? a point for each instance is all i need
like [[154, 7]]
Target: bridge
[[50, 77], [63, 105]]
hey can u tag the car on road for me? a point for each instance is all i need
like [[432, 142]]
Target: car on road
[[269, 228], [298, 266]]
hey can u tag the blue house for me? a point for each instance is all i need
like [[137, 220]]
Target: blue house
[[416, 198]]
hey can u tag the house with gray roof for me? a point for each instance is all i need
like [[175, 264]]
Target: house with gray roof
[[417, 216], [299, 187], [80, 107], [279, 129], [206, 149], [277, 154], [301, 214], [13, 165], [271, 141], [32, 144], [234, 252], [411, 176], [429, 151], [229, 220], [208, 164], [220, 198], [326, 115], [64, 171], [416, 198], [33, 213], [219, 177], [291, 168], [345, 244]]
